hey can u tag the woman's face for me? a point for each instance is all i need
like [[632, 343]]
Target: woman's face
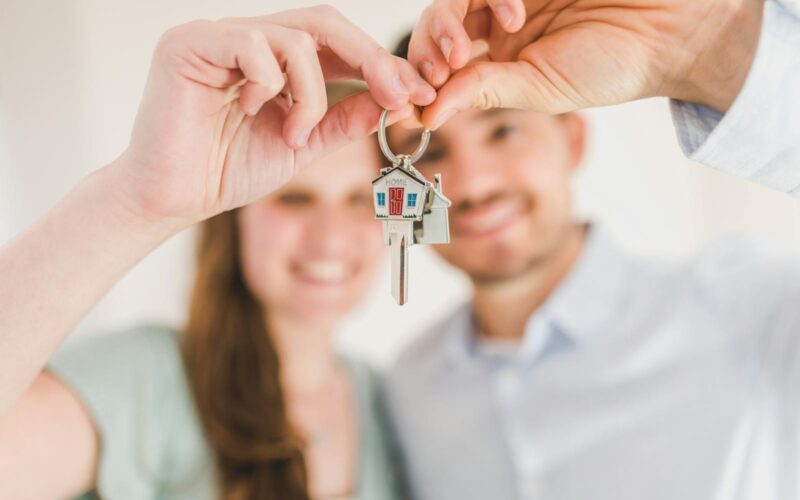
[[310, 249]]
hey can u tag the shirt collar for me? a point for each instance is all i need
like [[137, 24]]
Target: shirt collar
[[593, 293], [586, 300]]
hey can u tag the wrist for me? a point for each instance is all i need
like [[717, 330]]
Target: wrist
[[720, 68], [110, 188]]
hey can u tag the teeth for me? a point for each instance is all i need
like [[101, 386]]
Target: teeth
[[491, 219], [324, 270]]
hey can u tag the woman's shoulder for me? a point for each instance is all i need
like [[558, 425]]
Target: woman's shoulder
[[155, 340], [134, 386]]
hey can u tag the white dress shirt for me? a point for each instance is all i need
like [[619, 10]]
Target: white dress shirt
[[759, 137], [636, 380]]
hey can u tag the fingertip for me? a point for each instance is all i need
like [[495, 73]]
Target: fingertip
[[389, 82], [413, 121], [452, 40], [421, 92], [251, 97], [425, 93], [426, 70], [296, 137], [459, 57], [425, 55], [510, 14], [437, 118], [400, 114], [246, 105]]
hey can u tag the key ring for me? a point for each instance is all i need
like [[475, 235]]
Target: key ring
[[416, 155]]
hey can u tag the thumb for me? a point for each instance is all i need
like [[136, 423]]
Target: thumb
[[486, 85], [350, 119]]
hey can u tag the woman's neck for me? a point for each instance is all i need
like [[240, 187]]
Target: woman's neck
[[305, 350]]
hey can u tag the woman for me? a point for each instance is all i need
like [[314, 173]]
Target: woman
[[252, 387], [250, 402]]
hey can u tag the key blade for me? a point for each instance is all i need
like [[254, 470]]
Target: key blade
[[399, 255]]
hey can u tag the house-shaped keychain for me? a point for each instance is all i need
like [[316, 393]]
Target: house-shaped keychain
[[413, 210]]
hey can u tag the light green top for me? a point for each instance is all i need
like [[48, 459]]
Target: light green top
[[151, 441]]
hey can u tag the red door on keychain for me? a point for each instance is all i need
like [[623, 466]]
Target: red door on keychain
[[396, 201]]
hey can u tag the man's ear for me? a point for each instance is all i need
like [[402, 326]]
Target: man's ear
[[576, 127]]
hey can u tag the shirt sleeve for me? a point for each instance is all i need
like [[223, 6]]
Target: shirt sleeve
[[128, 383], [759, 137]]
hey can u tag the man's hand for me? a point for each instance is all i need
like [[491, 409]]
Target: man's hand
[[560, 55], [234, 108]]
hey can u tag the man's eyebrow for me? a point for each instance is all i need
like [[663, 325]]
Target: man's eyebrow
[[491, 113]]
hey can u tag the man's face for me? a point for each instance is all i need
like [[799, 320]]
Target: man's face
[[508, 173]]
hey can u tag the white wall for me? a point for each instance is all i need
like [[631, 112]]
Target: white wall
[[73, 72]]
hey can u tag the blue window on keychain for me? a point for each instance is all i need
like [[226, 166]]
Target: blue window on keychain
[[412, 200], [381, 199]]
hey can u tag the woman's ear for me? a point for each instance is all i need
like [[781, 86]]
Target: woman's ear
[[576, 126]]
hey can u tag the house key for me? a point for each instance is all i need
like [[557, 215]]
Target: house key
[[411, 208]]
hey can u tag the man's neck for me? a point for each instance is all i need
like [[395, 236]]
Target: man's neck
[[502, 309]]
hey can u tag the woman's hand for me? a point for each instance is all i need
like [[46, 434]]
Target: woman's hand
[[215, 131], [234, 108], [559, 55]]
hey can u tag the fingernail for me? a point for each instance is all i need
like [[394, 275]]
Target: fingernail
[[446, 44], [444, 117], [503, 14], [426, 68], [301, 139], [398, 87]]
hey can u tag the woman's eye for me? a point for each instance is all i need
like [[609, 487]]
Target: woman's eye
[[502, 131], [294, 199], [361, 200]]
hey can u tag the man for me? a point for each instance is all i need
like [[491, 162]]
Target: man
[[577, 371]]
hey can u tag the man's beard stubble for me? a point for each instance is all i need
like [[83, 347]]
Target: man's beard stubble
[[536, 263]]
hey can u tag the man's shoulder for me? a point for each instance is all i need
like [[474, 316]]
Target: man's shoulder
[[743, 265], [739, 280]]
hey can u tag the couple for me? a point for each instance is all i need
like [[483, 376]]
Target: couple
[[575, 371]]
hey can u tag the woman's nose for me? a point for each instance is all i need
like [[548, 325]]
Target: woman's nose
[[329, 231]]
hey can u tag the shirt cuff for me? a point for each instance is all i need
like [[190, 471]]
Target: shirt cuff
[[759, 137]]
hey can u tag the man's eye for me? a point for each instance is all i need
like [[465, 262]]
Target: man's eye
[[294, 199], [502, 131], [431, 156]]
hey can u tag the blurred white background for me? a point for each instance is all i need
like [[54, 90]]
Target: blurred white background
[[73, 72]]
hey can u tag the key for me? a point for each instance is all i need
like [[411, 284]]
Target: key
[[412, 209]]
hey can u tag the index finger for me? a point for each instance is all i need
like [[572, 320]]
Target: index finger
[[442, 39], [391, 80]]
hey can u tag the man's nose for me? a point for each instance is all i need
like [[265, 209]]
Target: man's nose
[[473, 174]]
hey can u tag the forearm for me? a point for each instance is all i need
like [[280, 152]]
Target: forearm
[[56, 271], [757, 136]]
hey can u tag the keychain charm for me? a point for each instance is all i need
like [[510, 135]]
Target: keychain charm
[[411, 208]]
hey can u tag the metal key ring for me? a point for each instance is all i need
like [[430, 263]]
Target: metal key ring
[[416, 155]]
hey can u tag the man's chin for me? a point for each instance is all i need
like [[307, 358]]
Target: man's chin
[[498, 270]]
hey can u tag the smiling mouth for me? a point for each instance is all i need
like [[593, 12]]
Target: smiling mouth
[[329, 272], [490, 218]]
